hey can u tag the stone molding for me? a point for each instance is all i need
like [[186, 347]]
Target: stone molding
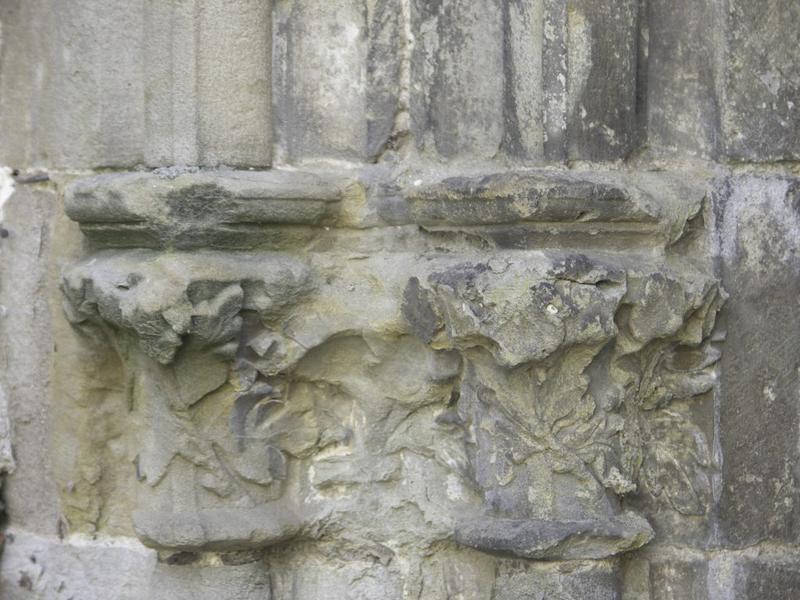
[[295, 342]]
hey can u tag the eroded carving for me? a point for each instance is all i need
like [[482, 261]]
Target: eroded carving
[[570, 370], [509, 400]]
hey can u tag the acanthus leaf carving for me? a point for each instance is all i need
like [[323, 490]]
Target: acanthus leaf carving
[[275, 388]]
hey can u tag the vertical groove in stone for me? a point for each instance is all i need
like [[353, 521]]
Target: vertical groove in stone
[[207, 96], [91, 109], [119, 87], [384, 75], [183, 94], [642, 62], [158, 47]]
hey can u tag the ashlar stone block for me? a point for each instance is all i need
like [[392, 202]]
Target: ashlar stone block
[[543, 80], [759, 231], [722, 79], [321, 79], [760, 109], [99, 83], [73, 84], [207, 82]]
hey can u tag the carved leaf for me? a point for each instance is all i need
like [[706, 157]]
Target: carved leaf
[[678, 372]]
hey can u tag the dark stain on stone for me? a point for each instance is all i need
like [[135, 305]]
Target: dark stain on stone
[[418, 310]]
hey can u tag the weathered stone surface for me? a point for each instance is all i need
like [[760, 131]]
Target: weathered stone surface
[[207, 84], [223, 581], [198, 209], [283, 321], [456, 109], [523, 80], [589, 101], [759, 231], [387, 78], [321, 79], [72, 84], [542, 539], [574, 581], [768, 579], [422, 343], [722, 79], [681, 75], [131, 83], [677, 580], [601, 110], [44, 568], [555, 95], [760, 109], [683, 574], [330, 573], [769, 574], [28, 217]]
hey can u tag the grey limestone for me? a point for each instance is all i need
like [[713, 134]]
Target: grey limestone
[[27, 342], [72, 84], [399, 299], [322, 79], [120, 84], [206, 67], [722, 79], [759, 105], [759, 231]]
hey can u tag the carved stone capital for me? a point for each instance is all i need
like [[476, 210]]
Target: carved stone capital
[[498, 352]]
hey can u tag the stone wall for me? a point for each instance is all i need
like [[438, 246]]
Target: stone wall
[[432, 300]]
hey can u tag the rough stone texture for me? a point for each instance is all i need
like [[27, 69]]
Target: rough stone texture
[[723, 79], [215, 580], [402, 299], [686, 575], [675, 580], [759, 232], [326, 407], [27, 346], [44, 568], [207, 82], [759, 108], [100, 83], [767, 579]]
